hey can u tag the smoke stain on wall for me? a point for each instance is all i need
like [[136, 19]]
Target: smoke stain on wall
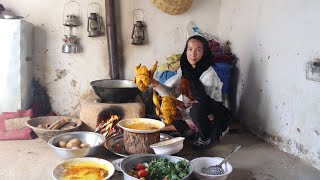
[[301, 148], [73, 83], [61, 73]]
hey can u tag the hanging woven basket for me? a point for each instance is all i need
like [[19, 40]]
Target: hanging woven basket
[[173, 7]]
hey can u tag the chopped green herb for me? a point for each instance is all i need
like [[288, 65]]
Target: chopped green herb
[[160, 168]]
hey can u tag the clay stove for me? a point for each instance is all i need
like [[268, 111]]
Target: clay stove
[[92, 111]]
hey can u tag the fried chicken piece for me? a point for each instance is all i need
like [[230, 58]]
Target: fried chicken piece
[[144, 76], [166, 107]]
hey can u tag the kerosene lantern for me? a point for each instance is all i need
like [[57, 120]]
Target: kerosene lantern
[[70, 23], [138, 34], [94, 24]]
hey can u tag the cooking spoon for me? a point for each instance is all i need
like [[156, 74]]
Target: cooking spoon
[[217, 169]]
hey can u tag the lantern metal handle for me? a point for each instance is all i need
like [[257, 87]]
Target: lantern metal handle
[[91, 5], [134, 14]]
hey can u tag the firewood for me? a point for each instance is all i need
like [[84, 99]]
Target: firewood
[[105, 131], [58, 124], [68, 125], [100, 126], [105, 134]]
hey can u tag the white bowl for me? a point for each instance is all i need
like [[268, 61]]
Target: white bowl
[[168, 147], [93, 139], [202, 162], [59, 170]]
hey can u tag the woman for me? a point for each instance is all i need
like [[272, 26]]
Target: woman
[[200, 87]]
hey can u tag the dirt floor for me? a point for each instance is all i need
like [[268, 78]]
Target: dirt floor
[[256, 160]]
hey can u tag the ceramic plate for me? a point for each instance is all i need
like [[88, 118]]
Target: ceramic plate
[[146, 121], [59, 171], [115, 144]]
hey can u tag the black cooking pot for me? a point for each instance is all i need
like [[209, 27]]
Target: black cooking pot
[[117, 91]]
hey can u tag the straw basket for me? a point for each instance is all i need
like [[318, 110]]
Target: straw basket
[[173, 7]]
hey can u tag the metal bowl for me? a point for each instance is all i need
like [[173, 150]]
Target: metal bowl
[[129, 163], [118, 91], [93, 139]]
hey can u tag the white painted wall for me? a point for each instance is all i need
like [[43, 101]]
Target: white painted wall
[[67, 76], [273, 40]]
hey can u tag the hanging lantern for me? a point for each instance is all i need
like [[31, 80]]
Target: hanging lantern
[[94, 23], [70, 23], [138, 34]]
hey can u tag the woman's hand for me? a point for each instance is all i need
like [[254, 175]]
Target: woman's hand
[[189, 104], [191, 125], [180, 105]]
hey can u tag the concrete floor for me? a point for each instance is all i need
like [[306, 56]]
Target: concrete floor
[[256, 160]]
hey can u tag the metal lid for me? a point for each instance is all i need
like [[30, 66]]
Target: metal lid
[[8, 15]]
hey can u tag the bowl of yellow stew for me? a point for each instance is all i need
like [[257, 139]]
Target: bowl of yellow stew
[[83, 169], [141, 125]]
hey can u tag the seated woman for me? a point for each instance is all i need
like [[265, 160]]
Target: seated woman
[[200, 87]]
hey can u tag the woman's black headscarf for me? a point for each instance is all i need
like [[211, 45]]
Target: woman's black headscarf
[[193, 74]]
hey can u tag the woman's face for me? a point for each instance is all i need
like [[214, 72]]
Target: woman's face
[[194, 51]]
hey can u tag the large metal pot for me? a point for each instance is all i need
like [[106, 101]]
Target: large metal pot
[[117, 91], [131, 161]]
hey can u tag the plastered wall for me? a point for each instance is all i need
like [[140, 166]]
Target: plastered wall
[[273, 41], [67, 76]]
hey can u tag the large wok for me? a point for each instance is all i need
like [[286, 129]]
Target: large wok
[[117, 91]]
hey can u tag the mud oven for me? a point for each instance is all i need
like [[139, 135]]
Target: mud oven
[[93, 111]]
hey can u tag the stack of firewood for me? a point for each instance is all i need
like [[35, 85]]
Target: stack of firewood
[[60, 124], [108, 127]]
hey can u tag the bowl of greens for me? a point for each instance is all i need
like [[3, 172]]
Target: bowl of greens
[[153, 166]]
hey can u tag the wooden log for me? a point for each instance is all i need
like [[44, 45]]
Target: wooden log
[[58, 124], [138, 143]]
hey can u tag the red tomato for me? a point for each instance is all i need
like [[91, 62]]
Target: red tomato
[[140, 167], [166, 179], [142, 173]]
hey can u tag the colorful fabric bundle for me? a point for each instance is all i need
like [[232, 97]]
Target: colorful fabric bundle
[[12, 125]]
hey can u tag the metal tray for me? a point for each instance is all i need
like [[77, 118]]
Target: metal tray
[[115, 144]]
